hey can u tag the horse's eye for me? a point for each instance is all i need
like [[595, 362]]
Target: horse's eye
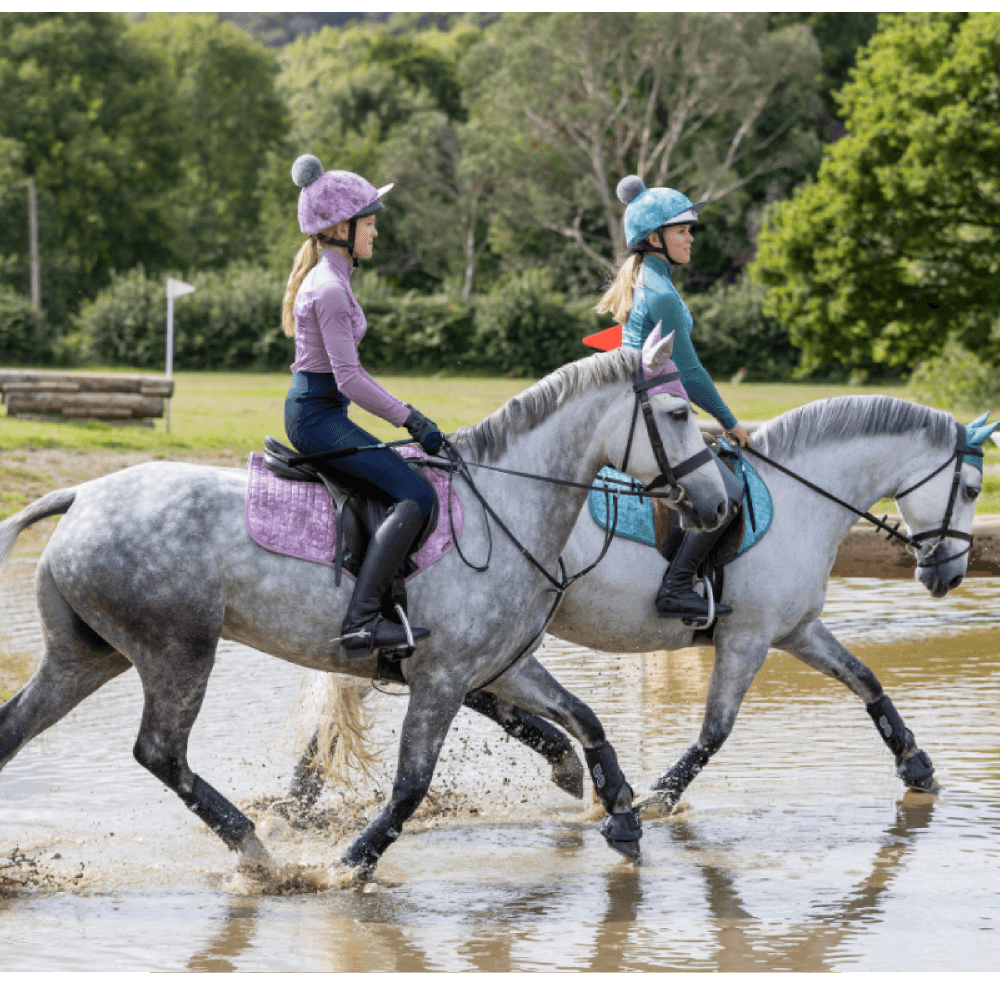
[[679, 415], [971, 492]]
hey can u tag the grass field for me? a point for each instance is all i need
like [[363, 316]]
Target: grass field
[[229, 414]]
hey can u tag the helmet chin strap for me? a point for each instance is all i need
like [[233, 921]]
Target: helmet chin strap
[[645, 247], [352, 232]]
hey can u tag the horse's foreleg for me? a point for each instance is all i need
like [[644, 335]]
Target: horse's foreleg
[[531, 687], [815, 646], [736, 665], [173, 698], [429, 716], [536, 734]]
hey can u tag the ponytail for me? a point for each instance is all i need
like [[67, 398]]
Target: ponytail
[[617, 300], [305, 260]]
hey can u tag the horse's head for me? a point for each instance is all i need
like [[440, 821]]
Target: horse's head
[[939, 508], [660, 444]]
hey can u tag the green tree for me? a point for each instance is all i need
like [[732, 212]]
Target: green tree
[[89, 113], [232, 117], [385, 107], [707, 103], [895, 245], [839, 36]]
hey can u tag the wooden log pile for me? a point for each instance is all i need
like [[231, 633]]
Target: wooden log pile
[[83, 395]]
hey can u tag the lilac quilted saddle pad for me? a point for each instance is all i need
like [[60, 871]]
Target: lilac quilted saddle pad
[[298, 519]]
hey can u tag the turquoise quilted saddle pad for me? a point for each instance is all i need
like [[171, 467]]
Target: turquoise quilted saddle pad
[[635, 513]]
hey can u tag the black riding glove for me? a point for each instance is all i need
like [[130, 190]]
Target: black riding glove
[[424, 431]]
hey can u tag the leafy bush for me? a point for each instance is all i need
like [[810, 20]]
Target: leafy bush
[[19, 343], [731, 333], [956, 376], [417, 333], [232, 321], [522, 325]]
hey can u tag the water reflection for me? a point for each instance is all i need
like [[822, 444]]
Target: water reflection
[[234, 936]]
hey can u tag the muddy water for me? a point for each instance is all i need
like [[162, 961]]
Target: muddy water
[[796, 849]]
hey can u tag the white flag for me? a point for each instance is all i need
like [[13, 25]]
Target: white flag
[[177, 288]]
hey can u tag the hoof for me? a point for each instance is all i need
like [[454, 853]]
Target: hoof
[[623, 831], [655, 805], [918, 773], [568, 774], [253, 857]]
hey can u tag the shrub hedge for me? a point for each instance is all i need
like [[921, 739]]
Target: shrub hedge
[[522, 326], [19, 341]]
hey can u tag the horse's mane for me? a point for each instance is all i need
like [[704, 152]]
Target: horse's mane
[[842, 418], [490, 438]]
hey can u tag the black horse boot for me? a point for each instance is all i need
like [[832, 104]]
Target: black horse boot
[[364, 629], [676, 597]]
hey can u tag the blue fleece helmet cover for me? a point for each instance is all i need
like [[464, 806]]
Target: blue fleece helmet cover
[[655, 207]]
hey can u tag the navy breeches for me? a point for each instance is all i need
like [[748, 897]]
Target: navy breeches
[[316, 420]]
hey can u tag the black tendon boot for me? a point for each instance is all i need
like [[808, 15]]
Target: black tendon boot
[[676, 597], [364, 629]]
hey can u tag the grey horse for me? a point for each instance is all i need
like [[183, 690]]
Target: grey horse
[[859, 449], [151, 566]]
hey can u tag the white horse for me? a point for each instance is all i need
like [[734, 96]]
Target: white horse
[[150, 567], [858, 448]]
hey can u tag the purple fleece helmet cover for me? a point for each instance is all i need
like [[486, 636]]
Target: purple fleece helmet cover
[[330, 197]]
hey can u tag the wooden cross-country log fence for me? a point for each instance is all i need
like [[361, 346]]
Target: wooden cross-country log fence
[[83, 395]]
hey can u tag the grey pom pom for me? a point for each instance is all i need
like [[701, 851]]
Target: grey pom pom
[[629, 188], [306, 169]]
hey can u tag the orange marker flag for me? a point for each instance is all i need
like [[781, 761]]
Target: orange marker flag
[[606, 340]]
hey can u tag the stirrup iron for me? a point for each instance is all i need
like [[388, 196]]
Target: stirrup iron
[[709, 619]]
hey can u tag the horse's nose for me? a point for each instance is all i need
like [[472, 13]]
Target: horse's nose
[[723, 509], [955, 581]]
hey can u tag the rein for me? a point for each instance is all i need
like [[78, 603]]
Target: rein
[[914, 541]]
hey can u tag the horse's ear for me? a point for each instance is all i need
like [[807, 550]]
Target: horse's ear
[[978, 431], [657, 350]]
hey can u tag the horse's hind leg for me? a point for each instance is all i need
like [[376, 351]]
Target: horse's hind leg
[[815, 646], [76, 662], [531, 687], [174, 688]]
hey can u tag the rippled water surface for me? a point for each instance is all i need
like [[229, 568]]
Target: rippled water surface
[[796, 848]]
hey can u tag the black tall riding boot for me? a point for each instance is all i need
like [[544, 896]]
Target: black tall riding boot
[[676, 597], [364, 629]]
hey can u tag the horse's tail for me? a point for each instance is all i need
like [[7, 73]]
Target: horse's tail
[[343, 730], [57, 502]]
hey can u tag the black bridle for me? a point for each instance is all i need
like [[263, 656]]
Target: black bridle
[[962, 448], [669, 475]]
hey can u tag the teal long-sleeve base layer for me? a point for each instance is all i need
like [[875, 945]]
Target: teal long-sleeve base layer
[[657, 301]]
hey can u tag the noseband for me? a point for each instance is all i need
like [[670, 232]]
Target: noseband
[[669, 476]]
